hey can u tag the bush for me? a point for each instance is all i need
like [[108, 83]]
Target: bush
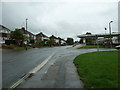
[[32, 41], [11, 46], [8, 42]]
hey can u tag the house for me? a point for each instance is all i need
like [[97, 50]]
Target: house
[[41, 37], [61, 41], [55, 39], [29, 36], [4, 34], [58, 41]]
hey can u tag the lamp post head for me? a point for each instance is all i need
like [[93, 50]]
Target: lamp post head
[[111, 21], [105, 28]]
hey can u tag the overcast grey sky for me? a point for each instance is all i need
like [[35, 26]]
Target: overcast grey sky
[[64, 19]]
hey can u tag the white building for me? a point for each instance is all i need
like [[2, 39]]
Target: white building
[[4, 34]]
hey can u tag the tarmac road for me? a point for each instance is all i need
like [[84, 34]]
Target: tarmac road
[[17, 63], [59, 72]]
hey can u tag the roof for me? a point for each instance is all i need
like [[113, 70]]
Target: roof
[[1, 27], [99, 35], [61, 39], [26, 32], [53, 37], [41, 35], [30, 33]]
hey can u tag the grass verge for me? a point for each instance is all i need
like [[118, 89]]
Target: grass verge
[[14, 47], [90, 46], [98, 69]]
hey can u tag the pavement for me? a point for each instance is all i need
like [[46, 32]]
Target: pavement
[[79, 45], [52, 67]]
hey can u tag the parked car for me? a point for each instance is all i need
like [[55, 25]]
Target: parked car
[[30, 45], [117, 47]]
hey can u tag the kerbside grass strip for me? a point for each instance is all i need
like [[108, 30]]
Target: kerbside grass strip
[[90, 46]]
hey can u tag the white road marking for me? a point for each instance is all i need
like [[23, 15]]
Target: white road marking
[[41, 65], [31, 72]]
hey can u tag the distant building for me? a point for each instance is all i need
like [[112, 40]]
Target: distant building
[[41, 37], [4, 34], [58, 41], [102, 38], [55, 39], [61, 41]]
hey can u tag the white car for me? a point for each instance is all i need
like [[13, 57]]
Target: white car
[[117, 47]]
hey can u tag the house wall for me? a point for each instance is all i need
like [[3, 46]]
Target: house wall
[[115, 40], [57, 40], [4, 34], [63, 42]]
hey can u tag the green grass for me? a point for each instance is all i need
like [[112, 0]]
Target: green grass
[[98, 69], [90, 46]]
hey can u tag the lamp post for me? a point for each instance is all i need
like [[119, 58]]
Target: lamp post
[[110, 33], [26, 24], [26, 31], [105, 36]]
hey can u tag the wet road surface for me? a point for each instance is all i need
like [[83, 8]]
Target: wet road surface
[[59, 72]]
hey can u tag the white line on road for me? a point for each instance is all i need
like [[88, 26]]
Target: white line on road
[[31, 72], [41, 65]]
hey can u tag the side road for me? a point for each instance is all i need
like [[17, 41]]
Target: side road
[[59, 72]]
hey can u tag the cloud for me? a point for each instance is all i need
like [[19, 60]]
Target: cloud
[[62, 19]]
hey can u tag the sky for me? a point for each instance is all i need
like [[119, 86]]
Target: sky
[[62, 19]]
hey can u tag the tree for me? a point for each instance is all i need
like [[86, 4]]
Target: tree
[[70, 41], [18, 36], [50, 42]]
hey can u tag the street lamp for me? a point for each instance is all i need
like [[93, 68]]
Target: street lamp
[[110, 33]]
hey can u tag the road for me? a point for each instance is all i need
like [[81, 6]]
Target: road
[[59, 72]]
